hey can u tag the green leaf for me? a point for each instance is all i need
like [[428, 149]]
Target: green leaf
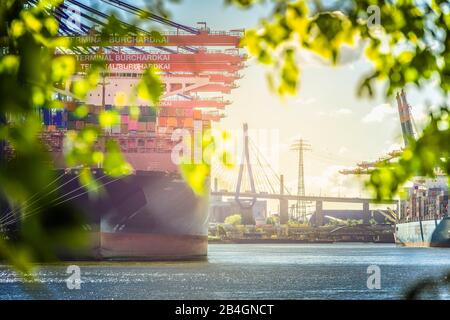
[[115, 164], [150, 87]]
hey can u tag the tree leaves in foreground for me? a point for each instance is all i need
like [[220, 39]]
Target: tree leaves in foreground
[[409, 46], [433, 288], [32, 67], [406, 41]]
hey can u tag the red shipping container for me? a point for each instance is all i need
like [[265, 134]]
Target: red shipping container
[[171, 122], [132, 143], [197, 115], [179, 112], [162, 121], [124, 119], [150, 143], [79, 125], [142, 126], [172, 112], [94, 109], [150, 126], [169, 130], [188, 123], [163, 112], [132, 125], [70, 105]]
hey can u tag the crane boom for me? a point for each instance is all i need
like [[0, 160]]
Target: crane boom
[[405, 117], [408, 132]]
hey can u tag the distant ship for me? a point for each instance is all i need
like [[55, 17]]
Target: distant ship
[[424, 220]]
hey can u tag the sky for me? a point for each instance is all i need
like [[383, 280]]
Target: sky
[[341, 128]]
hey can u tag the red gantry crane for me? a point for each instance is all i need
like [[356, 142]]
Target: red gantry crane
[[197, 67]]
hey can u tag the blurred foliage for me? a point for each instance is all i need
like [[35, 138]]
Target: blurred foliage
[[234, 219], [273, 220], [433, 288], [426, 156], [242, 3], [30, 71], [409, 45], [406, 41], [150, 88], [195, 166], [297, 224], [353, 222], [208, 146], [221, 231], [346, 222]]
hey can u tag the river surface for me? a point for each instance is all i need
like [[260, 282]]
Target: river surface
[[241, 271]]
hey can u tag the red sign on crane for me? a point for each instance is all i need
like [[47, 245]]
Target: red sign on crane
[[161, 58], [194, 103], [203, 39], [166, 67]]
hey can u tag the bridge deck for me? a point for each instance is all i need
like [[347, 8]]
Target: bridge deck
[[302, 198]]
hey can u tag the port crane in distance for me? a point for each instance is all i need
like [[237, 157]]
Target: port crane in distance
[[409, 130]]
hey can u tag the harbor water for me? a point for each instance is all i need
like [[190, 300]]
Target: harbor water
[[241, 271]]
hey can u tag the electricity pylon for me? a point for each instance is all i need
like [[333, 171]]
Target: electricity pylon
[[301, 146]]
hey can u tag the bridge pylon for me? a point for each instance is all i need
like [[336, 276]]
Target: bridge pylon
[[284, 204], [245, 203]]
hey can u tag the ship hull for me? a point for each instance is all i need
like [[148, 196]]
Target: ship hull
[[144, 216], [429, 233]]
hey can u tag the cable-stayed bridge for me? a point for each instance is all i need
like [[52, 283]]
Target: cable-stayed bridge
[[256, 179]]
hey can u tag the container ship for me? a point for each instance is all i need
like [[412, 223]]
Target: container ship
[[150, 214], [423, 217], [424, 220]]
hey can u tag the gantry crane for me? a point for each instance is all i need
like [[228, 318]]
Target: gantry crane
[[408, 133], [186, 66]]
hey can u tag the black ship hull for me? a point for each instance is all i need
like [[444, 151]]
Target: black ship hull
[[147, 215]]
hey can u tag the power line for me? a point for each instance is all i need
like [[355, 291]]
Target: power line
[[301, 146]]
